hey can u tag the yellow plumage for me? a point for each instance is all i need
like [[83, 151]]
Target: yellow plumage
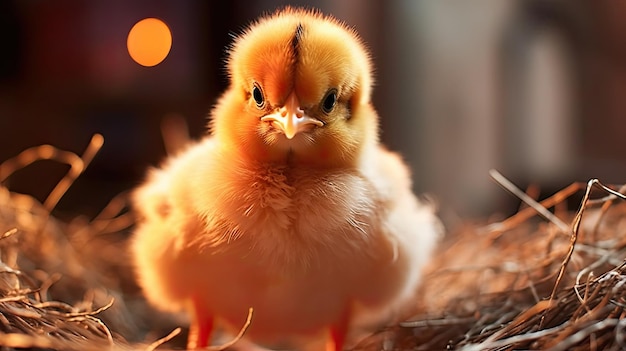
[[290, 206]]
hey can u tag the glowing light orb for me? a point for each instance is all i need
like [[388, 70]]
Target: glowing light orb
[[149, 42]]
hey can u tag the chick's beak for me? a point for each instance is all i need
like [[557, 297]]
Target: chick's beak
[[290, 118]]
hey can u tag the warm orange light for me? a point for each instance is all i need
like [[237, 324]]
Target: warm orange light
[[149, 42]]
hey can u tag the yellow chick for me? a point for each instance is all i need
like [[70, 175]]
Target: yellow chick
[[290, 206]]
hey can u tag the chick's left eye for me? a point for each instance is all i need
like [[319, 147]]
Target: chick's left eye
[[329, 101], [257, 95]]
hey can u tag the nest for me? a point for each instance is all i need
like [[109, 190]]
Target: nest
[[556, 283], [525, 283]]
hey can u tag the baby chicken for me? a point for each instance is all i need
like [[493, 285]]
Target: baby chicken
[[290, 206]]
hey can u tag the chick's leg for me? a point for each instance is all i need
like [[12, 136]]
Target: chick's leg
[[201, 326], [338, 333]]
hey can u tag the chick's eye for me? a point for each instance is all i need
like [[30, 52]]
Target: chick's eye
[[329, 101], [257, 95]]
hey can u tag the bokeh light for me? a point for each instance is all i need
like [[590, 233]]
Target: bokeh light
[[149, 42]]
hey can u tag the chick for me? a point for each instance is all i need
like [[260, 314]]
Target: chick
[[290, 206]]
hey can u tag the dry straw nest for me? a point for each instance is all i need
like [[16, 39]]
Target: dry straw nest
[[526, 284], [556, 283]]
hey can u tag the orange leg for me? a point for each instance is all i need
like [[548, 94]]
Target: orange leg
[[338, 333], [200, 328]]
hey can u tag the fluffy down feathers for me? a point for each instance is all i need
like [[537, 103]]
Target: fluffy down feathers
[[290, 206]]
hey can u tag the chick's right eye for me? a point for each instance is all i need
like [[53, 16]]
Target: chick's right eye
[[329, 101], [257, 95]]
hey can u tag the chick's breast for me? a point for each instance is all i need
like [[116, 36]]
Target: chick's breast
[[299, 246]]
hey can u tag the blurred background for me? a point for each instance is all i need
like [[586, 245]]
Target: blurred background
[[533, 88]]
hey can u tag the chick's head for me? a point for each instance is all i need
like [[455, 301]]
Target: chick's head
[[300, 85]]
